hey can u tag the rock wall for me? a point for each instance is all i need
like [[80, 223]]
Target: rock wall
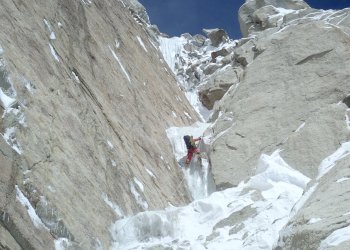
[[292, 97], [86, 101]]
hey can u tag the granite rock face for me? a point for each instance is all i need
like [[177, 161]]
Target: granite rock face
[[290, 83], [86, 101]]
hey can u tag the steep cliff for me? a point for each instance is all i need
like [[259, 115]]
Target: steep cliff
[[86, 100]]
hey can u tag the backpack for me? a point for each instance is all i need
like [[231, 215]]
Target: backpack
[[189, 142]]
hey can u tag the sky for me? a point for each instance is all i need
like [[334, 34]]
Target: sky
[[175, 17]]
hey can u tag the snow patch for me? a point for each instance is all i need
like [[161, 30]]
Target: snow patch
[[110, 145], [6, 100], [141, 43], [11, 140], [203, 112], [76, 78], [187, 115], [328, 163], [314, 220], [343, 179], [112, 205], [300, 127], [31, 211], [52, 34], [138, 198], [188, 227], [86, 2], [150, 173], [114, 164], [62, 244], [54, 53], [120, 63], [139, 184], [336, 238], [171, 48]]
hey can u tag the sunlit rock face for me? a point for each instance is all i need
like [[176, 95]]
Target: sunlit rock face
[[292, 96], [85, 103], [257, 15]]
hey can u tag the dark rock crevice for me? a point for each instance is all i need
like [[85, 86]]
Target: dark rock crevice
[[314, 56]]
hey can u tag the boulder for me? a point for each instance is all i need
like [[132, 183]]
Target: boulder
[[216, 36], [218, 84], [221, 52], [211, 68], [246, 53]]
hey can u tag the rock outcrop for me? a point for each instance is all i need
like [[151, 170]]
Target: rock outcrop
[[86, 100], [258, 15], [289, 98]]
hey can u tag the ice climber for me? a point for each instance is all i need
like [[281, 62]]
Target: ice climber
[[191, 147]]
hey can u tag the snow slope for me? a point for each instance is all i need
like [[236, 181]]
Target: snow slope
[[196, 226]]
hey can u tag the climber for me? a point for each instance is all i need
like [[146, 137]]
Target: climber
[[191, 147]]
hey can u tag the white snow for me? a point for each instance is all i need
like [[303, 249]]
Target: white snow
[[343, 179], [300, 127], [59, 24], [6, 100], [62, 244], [328, 163], [120, 63], [110, 145], [29, 86], [138, 198], [336, 238], [188, 115], [86, 2], [188, 227], [53, 52], [203, 112], [31, 211], [117, 43], [314, 220], [150, 173], [112, 205], [139, 184], [174, 114], [76, 78], [1, 50], [141, 43], [11, 140], [114, 163], [170, 48], [52, 34]]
